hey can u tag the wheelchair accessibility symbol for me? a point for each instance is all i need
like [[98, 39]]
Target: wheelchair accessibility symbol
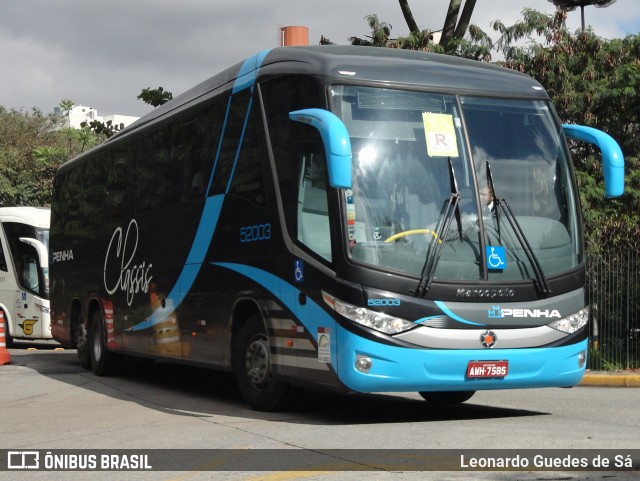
[[496, 258], [298, 270]]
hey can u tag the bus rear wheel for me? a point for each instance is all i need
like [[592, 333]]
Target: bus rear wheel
[[444, 398], [103, 362], [252, 360]]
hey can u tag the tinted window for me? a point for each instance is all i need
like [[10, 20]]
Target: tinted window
[[228, 150], [247, 178], [290, 139]]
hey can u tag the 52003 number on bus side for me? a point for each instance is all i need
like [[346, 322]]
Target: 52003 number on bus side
[[255, 233]]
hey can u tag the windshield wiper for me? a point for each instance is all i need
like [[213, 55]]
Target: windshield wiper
[[452, 209], [502, 204]]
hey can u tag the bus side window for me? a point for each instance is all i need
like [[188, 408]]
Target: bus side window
[[228, 149], [3, 260], [118, 182], [313, 211], [247, 181], [281, 96], [192, 153]]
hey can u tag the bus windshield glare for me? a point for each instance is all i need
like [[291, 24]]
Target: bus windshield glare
[[413, 150]]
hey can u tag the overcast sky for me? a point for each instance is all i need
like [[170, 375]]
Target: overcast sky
[[101, 54]]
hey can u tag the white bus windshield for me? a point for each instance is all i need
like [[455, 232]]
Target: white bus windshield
[[410, 147], [30, 274]]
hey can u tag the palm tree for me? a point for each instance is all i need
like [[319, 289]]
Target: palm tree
[[380, 33], [66, 105], [455, 28]]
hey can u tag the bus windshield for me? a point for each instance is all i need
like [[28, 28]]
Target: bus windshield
[[414, 151], [30, 273]]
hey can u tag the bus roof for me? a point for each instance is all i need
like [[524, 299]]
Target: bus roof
[[349, 64], [35, 216], [385, 66], [402, 67]]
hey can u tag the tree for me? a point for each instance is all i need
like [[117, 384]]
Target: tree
[[594, 82], [456, 24], [31, 148], [454, 30], [85, 137], [380, 33], [66, 105], [103, 129], [79, 139], [155, 97]]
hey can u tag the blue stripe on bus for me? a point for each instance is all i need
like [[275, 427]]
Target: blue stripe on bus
[[455, 316], [191, 269], [224, 128], [245, 79], [423, 320], [313, 317], [211, 213], [249, 71], [311, 314], [244, 128]]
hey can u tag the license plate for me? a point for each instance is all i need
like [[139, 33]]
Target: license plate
[[487, 369]]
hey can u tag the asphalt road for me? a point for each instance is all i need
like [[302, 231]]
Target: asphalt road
[[47, 402]]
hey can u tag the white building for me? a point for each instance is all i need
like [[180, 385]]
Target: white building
[[80, 113]]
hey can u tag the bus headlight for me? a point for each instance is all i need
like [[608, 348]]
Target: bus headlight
[[572, 323], [365, 317]]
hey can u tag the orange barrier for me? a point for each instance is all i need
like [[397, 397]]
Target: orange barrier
[[5, 357]]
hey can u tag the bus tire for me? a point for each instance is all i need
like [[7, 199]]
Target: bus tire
[[260, 388], [81, 341], [444, 398], [8, 340], [103, 361]]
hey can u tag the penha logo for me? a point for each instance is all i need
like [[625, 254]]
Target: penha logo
[[62, 256], [121, 251], [496, 312]]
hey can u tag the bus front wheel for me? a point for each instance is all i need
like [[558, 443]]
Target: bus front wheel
[[444, 398], [260, 388], [103, 362]]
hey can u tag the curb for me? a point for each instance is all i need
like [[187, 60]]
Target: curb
[[613, 379]]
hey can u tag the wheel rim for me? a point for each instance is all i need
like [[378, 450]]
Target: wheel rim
[[257, 363]]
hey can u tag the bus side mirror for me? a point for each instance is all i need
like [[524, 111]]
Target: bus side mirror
[[612, 158], [40, 248], [337, 144], [43, 258]]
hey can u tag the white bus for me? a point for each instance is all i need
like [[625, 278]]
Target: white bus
[[24, 272]]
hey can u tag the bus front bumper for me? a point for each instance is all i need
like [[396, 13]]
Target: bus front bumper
[[367, 366]]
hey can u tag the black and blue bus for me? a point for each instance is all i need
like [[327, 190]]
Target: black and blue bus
[[345, 218]]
